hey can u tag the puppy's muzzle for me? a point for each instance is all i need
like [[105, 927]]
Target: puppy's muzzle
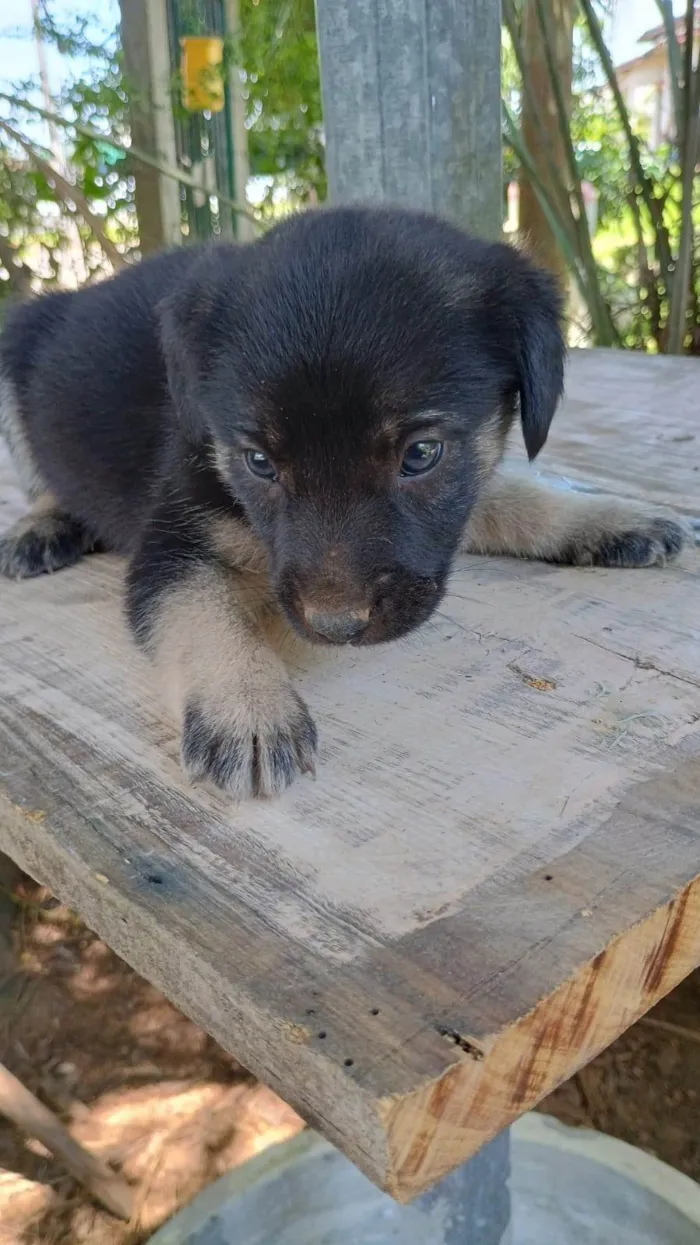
[[336, 626]]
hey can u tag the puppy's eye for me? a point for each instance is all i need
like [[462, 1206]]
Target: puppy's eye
[[420, 457], [259, 464]]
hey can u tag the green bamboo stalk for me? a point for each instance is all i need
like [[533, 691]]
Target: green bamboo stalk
[[646, 189], [688, 62], [665, 8], [567, 217], [603, 324], [550, 210], [680, 286]]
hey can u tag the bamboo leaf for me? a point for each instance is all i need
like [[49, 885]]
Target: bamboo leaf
[[642, 181], [178, 175], [554, 219], [562, 191], [67, 193]]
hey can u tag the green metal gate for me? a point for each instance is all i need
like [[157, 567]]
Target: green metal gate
[[204, 141]]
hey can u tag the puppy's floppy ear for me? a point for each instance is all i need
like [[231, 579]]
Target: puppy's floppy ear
[[183, 316], [198, 321], [540, 353]]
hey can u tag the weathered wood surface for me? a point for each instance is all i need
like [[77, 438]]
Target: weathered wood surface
[[412, 106], [498, 867]]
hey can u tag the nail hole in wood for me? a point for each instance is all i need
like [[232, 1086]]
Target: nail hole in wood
[[322, 1034], [548, 877], [374, 1011], [349, 1063], [155, 879], [311, 1011]]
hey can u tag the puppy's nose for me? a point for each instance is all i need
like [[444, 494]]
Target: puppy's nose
[[338, 626]]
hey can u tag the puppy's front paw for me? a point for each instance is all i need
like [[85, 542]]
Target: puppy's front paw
[[632, 539], [250, 749], [42, 543]]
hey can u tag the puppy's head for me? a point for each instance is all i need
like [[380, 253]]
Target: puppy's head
[[356, 373]]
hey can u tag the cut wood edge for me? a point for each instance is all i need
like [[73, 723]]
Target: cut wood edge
[[408, 1141], [434, 1129]]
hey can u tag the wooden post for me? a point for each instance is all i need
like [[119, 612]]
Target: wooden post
[[144, 37], [236, 103], [411, 101]]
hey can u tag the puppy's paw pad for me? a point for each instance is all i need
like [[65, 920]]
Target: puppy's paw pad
[[651, 542], [250, 758], [37, 547]]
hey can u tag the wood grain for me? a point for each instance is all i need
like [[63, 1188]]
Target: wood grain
[[498, 868], [411, 106]]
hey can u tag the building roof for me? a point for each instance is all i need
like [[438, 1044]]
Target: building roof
[[657, 34]]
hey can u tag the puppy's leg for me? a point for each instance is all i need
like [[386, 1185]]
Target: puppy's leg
[[45, 539], [523, 518], [13, 433], [243, 725]]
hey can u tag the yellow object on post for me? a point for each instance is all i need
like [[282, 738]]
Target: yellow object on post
[[202, 73]]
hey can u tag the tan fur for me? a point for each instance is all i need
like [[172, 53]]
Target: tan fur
[[43, 508], [489, 444], [519, 516], [235, 544], [37, 542], [210, 654], [221, 455], [13, 433]]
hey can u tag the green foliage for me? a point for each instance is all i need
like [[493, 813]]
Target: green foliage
[[639, 278], [38, 216], [625, 275], [275, 49], [99, 102], [277, 52]]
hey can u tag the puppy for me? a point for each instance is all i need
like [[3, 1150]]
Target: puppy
[[309, 424]]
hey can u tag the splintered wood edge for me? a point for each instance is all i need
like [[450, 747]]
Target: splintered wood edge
[[439, 1126]]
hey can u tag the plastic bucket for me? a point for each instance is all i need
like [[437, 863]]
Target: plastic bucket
[[568, 1187]]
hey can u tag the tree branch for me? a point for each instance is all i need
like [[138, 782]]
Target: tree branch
[[68, 194], [178, 175], [35, 1120]]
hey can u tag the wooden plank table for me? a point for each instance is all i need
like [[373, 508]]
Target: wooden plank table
[[498, 868]]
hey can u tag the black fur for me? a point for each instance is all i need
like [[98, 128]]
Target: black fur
[[51, 543], [326, 344], [662, 539], [213, 753]]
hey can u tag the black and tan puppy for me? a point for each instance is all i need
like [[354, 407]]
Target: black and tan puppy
[[310, 424]]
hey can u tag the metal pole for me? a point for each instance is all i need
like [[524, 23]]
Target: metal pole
[[472, 1204], [411, 101], [238, 135], [144, 40], [305, 1190]]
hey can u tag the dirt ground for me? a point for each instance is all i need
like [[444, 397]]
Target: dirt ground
[[148, 1090]]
